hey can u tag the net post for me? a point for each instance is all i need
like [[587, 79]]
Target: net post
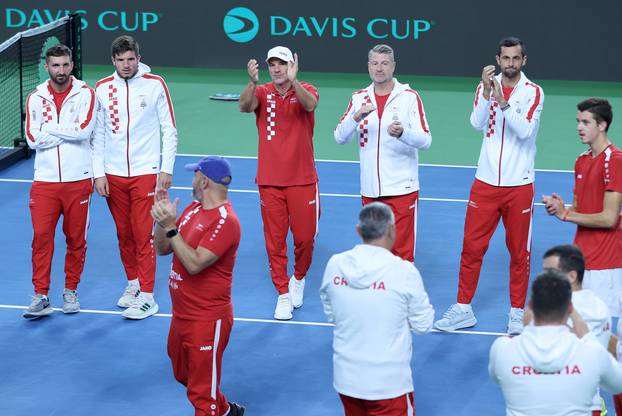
[[75, 34]]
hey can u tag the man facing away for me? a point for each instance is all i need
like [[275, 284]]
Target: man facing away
[[549, 370], [375, 299]]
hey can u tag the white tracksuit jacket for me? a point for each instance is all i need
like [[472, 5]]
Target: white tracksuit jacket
[[509, 144], [389, 165], [547, 370], [375, 300], [596, 315], [126, 141], [62, 141]]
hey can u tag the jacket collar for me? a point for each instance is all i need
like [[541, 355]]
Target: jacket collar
[[398, 88], [43, 90]]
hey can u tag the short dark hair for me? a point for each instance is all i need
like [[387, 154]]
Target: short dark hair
[[570, 259], [550, 296], [374, 220], [124, 44], [512, 41], [57, 50], [600, 109]]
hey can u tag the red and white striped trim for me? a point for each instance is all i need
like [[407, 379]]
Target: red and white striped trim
[[89, 115], [422, 119], [533, 107], [168, 96]]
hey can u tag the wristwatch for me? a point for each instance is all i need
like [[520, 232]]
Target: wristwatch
[[172, 233]]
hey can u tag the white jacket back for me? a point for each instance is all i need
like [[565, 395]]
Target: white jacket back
[[132, 113], [509, 144], [547, 370], [375, 300], [62, 141], [389, 165]]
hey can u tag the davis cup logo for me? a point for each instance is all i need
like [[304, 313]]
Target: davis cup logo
[[241, 25]]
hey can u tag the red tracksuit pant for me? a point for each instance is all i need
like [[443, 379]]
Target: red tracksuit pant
[[48, 200], [488, 204], [194, 347], [398, 406], [282, 208], [130, 203], [404, 209]]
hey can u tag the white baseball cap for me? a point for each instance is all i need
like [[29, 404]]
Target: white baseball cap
[[281, 52]]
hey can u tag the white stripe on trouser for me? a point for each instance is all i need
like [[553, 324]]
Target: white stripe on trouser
[[317, 210], [415, 209], [214, 359], [88, 217], [530, 221], [410, 411]]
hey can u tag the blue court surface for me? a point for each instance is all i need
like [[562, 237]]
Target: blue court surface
[[96, 363]]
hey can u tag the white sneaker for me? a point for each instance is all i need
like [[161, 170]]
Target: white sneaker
[[128, 296], [456, 317], [40, 306], [515, 321], [296, 291], [143, 307], [71, 304], [284, 308]]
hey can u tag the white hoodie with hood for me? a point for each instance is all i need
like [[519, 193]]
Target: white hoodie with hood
[[133, 114], [375, 300], [548, 371]]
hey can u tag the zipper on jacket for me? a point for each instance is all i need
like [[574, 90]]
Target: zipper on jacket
[[60, 174], [127, 130], [501, 152], [378, 155]]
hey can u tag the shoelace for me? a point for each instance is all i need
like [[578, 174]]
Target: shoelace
[[130, 290], [70, 297], [36, 299], [451, 312]]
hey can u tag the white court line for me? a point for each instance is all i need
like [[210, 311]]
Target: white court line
[[254, 320], [254, 191], [432, 165]]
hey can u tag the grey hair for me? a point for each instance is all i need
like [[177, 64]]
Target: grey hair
[[374, 221], [382, 49]]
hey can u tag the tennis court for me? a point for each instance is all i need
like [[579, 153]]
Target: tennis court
[[99, 364]]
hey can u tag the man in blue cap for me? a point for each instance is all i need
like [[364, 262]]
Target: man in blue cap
[[204, 242]]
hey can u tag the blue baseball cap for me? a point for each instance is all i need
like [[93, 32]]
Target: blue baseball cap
[[216, 168]]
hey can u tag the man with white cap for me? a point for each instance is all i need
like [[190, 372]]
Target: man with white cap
[[204, 242], [286, 175]]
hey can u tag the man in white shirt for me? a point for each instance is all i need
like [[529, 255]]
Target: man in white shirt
[[507, 110], [375, 300], [136, 110], [387, 121], [59, 123], [549, 370], [569, 260]]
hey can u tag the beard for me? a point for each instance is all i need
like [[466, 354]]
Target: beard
[[60, 80], [511, 73]]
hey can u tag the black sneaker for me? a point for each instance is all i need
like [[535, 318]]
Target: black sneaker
[[235, 409]]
